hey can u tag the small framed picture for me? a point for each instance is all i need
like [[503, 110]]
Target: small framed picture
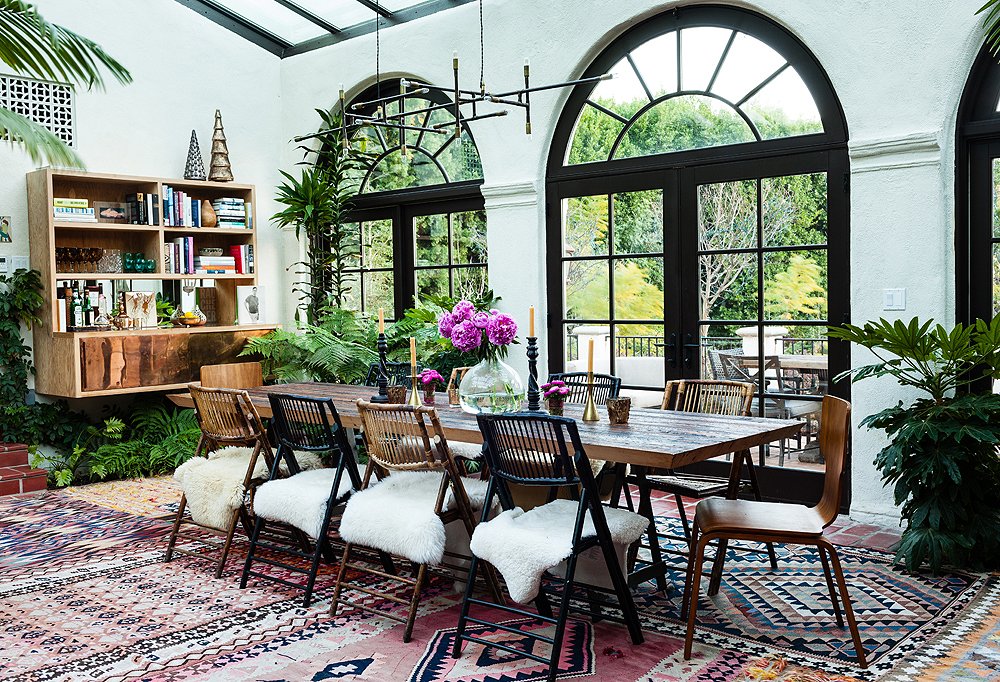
[[5, 229], [111, 212], [251, 306]]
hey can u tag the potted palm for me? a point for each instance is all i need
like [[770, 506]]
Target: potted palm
[[942, 456]]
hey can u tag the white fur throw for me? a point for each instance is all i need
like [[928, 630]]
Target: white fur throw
[[396, 515], [213, 485], [300, 500], [523, 545]]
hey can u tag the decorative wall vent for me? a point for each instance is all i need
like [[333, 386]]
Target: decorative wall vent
[[47, 104]]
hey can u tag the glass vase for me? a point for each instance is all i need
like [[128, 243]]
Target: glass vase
[[491, 387]]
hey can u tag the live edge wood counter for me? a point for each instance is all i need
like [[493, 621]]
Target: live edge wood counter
[[652, 438]]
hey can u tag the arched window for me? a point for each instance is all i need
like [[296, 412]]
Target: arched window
[[697, 222], [419, 214], [978, 184]]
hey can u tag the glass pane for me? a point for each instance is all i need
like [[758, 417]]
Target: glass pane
[[996, 279], [468, 231], [795, 285], [572, 345], [748, 63], [399, 171], [657, 62], [718, 343], [727, 286], [623, 93], [431, 283], [470, 282], [727, 216], [277, 19], [377, 243], [460, 160], [378, 291], [430, 232], [639, 289], [996, 203], [586, 289], [352, 284], [795, 210], [432, 142], [577, 343], [594, 136], [684, 122], [638, 222], [354, 260], [638, 352], [784, 107], [586, 228], [701, 49]]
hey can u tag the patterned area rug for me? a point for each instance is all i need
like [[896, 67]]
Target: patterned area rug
[[87, 597]]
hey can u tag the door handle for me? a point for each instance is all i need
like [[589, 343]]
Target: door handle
[[670, 350], [689, 346]]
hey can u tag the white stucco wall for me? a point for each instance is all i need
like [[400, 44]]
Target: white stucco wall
[[898, 69]]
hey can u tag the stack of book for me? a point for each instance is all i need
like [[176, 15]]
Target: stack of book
[[73, 211], [215, 265], [243, 256], [179, 209], [143, 208], [233, 212]]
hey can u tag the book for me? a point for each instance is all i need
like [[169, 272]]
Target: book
[[155, 209], [136, 203], [63, 202]]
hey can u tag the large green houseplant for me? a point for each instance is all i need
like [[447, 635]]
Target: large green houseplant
[[942, 459], [31, 46]]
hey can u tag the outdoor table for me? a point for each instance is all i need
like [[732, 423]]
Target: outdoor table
[[657, 439]]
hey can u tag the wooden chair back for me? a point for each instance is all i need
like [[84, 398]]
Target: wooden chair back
[[734, 398], [834, 433], [232, 375], [605, 387], [403, 437], [397, 374], [226, 415]]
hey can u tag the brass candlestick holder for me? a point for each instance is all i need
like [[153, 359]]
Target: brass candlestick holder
[[590, 407], [414, 397], [383, 379]]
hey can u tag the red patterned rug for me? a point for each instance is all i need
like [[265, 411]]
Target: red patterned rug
[[87, 597]]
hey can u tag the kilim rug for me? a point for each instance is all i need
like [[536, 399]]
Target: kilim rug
[[86, 596]]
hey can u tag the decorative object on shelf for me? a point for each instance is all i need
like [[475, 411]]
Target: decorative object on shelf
[[491, 386], [555, 393], [590, 406], [430, 379], [396, 394], [187, 313], [208, 217], [211, 252], [194, 169], [141, 307], [111, 211], [534, 404], [249, 299], [383, 346], [220, 170], [457, 374], [618, 410], [5, 229]]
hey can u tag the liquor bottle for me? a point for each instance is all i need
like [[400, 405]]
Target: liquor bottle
[[76, 308]]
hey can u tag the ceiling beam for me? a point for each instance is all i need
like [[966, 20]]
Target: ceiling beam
[[306, 14], [370, 4], [240, 25], [421, 10]]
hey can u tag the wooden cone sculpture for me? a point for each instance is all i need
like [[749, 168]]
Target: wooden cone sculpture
[[194, 169], [220, 170]]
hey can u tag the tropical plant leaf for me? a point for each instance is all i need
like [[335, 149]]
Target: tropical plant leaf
[[41, 144]]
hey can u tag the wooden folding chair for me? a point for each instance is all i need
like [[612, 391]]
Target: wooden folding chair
[[227, 418]]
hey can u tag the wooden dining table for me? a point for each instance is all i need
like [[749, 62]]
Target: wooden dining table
[[655, 439]]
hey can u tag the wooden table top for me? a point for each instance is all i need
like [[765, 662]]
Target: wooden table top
[[654, 438], [815, 363]]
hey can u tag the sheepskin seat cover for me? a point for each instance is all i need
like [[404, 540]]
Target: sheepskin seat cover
[[213, 485], [300, 500], [523, 545], [396, 515]]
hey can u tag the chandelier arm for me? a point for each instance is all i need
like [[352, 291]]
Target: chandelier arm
[[554, 86]]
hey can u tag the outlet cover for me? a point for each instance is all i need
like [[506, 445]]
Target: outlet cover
[[20, 262], [4, 265], [894, 299]]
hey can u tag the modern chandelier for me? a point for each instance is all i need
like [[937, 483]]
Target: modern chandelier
[[474, 99]]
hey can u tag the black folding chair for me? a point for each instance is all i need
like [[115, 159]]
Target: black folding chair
[[605, 387], [305, 425], [542, 450]]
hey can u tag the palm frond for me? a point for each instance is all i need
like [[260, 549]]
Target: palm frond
[[991, 24], [41, 145]]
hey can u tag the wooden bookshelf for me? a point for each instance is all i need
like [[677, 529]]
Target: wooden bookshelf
[[103, 363]]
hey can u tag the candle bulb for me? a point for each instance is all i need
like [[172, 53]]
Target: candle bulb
[[381, 320], [590, 356], [531, 321], [413, 354]]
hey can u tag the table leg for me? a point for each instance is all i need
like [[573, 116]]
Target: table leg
[[657, 568], [732, 492]]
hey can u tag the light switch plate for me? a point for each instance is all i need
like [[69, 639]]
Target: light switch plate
[[4, 265], [894, 299], [20, 263]]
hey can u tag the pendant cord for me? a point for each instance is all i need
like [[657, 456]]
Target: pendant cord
[[378, 50], [482, 51]]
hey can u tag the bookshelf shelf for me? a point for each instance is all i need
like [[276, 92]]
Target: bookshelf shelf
[[103, 363]]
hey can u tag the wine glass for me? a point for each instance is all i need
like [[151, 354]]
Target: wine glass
[[94, 254]]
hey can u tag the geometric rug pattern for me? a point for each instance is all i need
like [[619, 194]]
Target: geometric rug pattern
[[86, 596]]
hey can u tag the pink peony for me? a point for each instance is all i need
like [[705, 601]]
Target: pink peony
[[445, 324], [481, 320], [462, 311], [466, 337], [501, 330], [430, 376]]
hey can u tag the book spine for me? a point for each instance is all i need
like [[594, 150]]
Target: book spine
[[156, 209], [70, 203], [190, 254], [149, 209], [249, 261]]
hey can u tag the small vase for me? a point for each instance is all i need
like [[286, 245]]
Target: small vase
[[491, 387], [429, 396], [556, 406]]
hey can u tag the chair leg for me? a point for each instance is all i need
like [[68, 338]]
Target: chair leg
[[646, 509], [176, 528], [715, 582], [623, 593], [829, 584], [340, 580], [683, 514], [692, 598], [456, 647], [838, 571], [258, 526], [692, 545], [313, 572], [755, 487], [557, 636], [415, 602], [230, 533]]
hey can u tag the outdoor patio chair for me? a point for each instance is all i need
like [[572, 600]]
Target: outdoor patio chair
[[605, 387], [226, 460], [407, 513], [723, 520], [533, 449], [305, 500]]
